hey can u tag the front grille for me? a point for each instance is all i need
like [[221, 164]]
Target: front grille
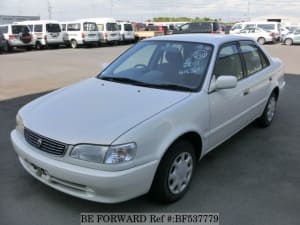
[[44, 144]]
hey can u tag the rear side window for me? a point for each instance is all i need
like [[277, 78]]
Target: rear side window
[[38, 28], [100, 27], [53, 27], [63, 27], [255, 59], [73, 27], [4, 29]]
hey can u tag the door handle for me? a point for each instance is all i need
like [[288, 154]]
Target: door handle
[[246, 91]]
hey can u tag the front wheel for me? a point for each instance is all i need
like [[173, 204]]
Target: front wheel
[[174, 173], [269, 112]]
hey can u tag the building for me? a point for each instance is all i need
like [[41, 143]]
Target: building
[[8, 19]]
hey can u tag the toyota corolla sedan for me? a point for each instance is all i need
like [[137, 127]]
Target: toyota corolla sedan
[[146, 120]]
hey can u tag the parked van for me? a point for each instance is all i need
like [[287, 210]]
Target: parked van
[[126, 32], [269, 26], [45, 32], [81, 32], [15, 35], [198, 27], [108, 30]]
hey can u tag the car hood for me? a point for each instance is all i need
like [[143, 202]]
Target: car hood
[[95, 111]]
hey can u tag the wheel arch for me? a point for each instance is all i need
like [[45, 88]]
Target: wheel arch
[[194, 138]]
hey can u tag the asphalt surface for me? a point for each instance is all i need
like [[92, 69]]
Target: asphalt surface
[[253, 178]]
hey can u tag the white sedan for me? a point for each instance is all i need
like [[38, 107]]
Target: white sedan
[[260, 35], [144, 122]]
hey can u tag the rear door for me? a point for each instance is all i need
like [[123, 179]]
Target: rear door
[[227, 106], [54, 34], [112, 30], [90, 32]]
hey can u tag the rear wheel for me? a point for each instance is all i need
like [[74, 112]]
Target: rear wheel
[[269, 112], [174, 173], [74, 44], [261, 40], [39, 46], [288, 41], [5, 47]]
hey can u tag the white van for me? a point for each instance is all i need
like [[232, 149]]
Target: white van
[[269, 26], [45, 32], [16, 36], [108, 30], [81, 32], [126, 32]]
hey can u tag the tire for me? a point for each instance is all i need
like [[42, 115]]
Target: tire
[[267, 117], [288, 41], [261, 40], [5, 47], [38, 46], [29, 48], [73, 43], [174, 172]]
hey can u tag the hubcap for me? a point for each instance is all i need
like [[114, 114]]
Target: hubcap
[[180, 173], [271, 109]]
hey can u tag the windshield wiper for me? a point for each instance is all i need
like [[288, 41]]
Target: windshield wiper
[[140, 83], [125, 80], [173, 87]]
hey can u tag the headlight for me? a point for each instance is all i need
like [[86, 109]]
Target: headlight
[[91, 153], [120, 153], [103, 154], [19, 124]]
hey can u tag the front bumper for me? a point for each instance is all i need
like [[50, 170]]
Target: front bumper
[[82, 182]]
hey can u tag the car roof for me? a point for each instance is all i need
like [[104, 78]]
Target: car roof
[[215, 39]]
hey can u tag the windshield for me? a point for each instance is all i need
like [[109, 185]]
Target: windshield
[[162, 64]]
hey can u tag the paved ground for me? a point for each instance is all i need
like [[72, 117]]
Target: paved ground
[[251, 179]]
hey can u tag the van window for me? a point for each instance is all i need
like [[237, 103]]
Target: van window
[[63, 27], [38, 28], [16, 29], [31, 27], [237, 26], [216, 26], [111, 27], [90, 27], [128, 27], [73, 27], [53, 27], [4, 29], [100, 27], [266, 26]]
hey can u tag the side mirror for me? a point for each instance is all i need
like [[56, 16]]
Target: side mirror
[[225, 82]]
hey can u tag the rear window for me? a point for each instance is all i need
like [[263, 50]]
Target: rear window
[[38, 28], [128, 27], [53, 27], [90, 27], [4, 29], [16, 29], [111, 27]]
